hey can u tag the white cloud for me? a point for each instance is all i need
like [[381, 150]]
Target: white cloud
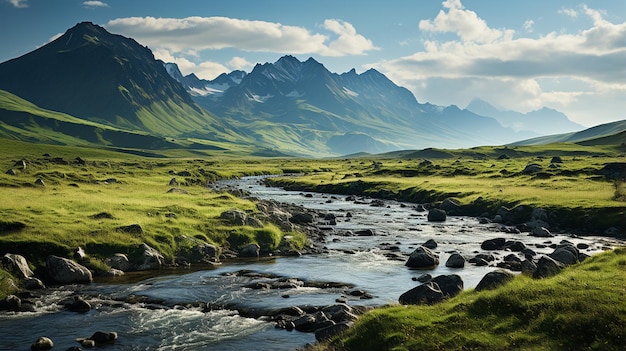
[[214, 33], [19, 3], [569, 12], [204, 70], [93, 4], [240, 63], [519, 73], [528, 25]]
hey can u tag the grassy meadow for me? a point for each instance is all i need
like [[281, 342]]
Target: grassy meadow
[[85, 203], [579, 309]]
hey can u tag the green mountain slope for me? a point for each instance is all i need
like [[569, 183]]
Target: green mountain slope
[[604, 134], [92, 74], [22, 120]]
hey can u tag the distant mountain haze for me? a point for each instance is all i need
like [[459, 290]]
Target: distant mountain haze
[[289, 107]]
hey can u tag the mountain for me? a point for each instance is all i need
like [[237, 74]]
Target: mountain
[[92, 74], [301, 106], [603, 134], [544, 121], [202, 87]]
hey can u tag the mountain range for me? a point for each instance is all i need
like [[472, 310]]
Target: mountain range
[[91, 86]]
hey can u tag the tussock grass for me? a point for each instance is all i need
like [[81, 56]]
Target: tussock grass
[[580, 309]]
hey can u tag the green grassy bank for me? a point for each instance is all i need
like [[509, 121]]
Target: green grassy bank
[[574, 191], [582, 308]]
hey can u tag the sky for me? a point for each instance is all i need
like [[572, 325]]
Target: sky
[[516, 55]]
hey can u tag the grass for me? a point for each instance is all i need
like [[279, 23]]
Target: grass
[[85, 204], [580, 309], [482, 181]]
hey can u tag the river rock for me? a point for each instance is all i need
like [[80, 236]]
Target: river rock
[[515, 245], [566, 254], [196, 250], [302, 218], [427, 293], [16, 265], [436, 215], [119, 261], [430, 244], [455, 260], [493, 244], [546, 267], [494, 279], [65, 271], [152, 258], [330, 331], [99, 338], [78, 304], [541, 232], [42, 344], [450, 285], [422, 257], [250, 250], [451, 206], [528, 267], [32, 283], [11, 303]]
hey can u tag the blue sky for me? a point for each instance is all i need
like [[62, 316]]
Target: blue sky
[[516, 55]]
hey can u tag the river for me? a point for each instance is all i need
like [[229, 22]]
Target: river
[[356, 260]]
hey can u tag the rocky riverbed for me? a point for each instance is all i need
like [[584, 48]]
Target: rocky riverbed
[[363, 253]]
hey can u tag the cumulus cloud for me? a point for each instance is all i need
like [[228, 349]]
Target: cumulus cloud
[[517, 72], [19, 3], [240, 63], [214, 33], [93, 4]]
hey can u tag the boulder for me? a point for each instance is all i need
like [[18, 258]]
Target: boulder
[[436, 215], [234, 217], [152, 258], [427, 293], [64, 271], [532, 169], [16, 265], [422, 258], [42, 344], [11, 171], [40, 182], [450, 285], [330, 331], [451, 206], [528, 267], [99, 338], [515, 246], [119, 261], [493, 244], [11, 303], [250, 250], [197, 251], [556, 159], [302, 218], [494, 279], [547, 267], [541, 232], [565, 254], [32, 283], [614, 170], [131, 229], [78, 304], [455, 261], [430, 244]]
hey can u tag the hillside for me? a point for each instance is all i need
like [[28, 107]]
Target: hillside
[[94, 75], [604, 134]]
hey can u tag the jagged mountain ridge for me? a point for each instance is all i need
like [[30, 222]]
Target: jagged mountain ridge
[[289, 106], [305, 98]]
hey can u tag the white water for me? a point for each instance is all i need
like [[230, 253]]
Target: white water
[[170, 327]]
